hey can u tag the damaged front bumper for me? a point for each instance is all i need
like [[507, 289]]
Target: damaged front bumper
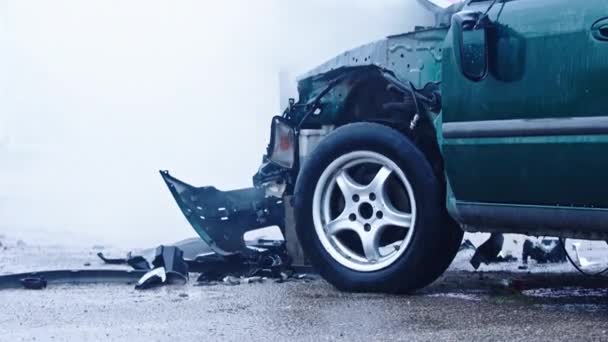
[[221, 218]]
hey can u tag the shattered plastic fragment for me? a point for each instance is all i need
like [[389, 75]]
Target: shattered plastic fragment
[[547, 250], [111, 261], [172, 260], [138, 263], [208, 277], [34, 283], [154, 278], [253, 280], [232, 281], [169, 268], [88, 276], [467, 244], [222, 218], [488, 251], [305, 277]]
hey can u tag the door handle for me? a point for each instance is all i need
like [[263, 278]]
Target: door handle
[[599, 30]]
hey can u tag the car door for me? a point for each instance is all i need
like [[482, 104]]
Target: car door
[[534, 131]]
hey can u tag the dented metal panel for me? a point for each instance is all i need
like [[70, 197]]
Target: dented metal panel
[[413, 57], [416, 56]]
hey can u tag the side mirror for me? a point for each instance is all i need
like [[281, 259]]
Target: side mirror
[[470, 43]]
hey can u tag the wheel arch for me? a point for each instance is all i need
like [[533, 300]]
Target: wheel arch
[[373, 92], [364, 94]]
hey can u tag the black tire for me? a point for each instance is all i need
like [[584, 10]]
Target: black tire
[[436, 236]]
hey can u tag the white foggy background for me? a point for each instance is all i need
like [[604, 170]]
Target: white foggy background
[[97, 96]]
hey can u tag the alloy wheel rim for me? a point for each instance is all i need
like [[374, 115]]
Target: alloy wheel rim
[[368, 212]]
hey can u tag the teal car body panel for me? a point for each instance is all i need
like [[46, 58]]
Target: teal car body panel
[[532, 133]]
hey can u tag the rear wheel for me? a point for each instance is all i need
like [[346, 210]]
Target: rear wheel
[[370, 214]]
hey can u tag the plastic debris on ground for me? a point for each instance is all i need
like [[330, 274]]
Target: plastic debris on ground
[[169, 268], [263, 260], [490, 252], [543, 251], [171, 265]]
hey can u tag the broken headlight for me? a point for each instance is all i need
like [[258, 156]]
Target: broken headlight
[[282, 147]]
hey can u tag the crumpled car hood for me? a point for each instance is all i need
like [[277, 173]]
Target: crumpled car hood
[[375, 53], [413, 56]]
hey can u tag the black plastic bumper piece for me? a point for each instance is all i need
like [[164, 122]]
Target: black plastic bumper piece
[[39, 280], [222, 218]]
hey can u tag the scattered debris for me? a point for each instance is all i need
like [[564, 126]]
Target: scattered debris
[[283, 277], [262, 259], [264, 263], [231, 280], [142, 259], [153, 278], [581, 262], [547, 250], [209, 278], [138, 262], [111, 261], [466, 244], [490, 252], [305, 277], [34, 283], [22, 280], [253, 280], [172, 260], [169, 268]]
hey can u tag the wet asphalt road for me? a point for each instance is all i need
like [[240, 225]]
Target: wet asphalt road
[[460, 306], [296, 311]]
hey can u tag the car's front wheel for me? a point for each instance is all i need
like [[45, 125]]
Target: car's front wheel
[[370, 213]]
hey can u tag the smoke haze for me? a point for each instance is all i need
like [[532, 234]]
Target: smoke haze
[[96, 96]]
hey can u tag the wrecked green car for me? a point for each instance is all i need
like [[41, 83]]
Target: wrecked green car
[[494, 120]]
